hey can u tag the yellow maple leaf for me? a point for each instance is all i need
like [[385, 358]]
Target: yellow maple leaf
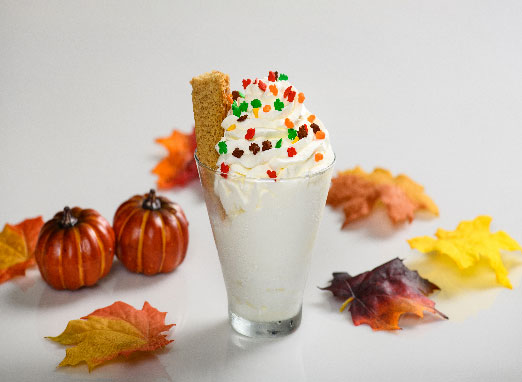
[[118, 329], [469, 243], [12, 247]]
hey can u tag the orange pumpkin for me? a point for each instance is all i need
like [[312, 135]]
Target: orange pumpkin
[[151, 234], [75, 248]]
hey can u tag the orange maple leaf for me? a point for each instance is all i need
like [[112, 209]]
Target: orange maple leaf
[[179, 167], [358, 192], [115, 330], [17, 244]]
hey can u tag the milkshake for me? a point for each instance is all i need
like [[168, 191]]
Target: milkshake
[[265, 196]]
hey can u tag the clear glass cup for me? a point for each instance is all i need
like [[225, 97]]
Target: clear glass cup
[[264, 230]]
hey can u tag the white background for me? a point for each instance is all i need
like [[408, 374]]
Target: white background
[[429, 88]]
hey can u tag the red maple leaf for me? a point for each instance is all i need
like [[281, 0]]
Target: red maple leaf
[[381, 296]]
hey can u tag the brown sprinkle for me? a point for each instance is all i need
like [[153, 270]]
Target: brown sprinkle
[[267, 145], [315, 127], [303, 132], [254, 147], [242, 118], [235, 95], [238, 153]]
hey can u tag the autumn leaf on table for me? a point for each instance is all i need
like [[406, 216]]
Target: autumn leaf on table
[[118, 329], [17, 244], [179, 167], [381, 296], [358, 192], [469, 243]]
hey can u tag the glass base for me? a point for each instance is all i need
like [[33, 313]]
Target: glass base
[[270, 329]]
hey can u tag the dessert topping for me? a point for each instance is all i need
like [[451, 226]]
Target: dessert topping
[[254, 147], [223, 147], [291, 151], [250, 134], [238, 153], [267, 145], [278, 104], [261, 85], [303, 132]]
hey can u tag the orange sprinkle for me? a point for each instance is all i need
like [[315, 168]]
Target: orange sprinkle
[[273, 89], [301, 97], [318, 157], [232, 127], [311, 118], [229, 98], [319, 134], [289, 124], [267, 108], [256, 112]]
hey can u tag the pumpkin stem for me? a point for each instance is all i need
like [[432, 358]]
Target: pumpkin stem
[[68, 220], [151, 202]]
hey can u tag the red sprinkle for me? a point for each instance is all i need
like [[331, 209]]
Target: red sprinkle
[[255, 82], [224, 169], [250, 134], [287, 91], [246, 83], [291, 96], [271, 76], [261, 85], [291, 151], [271, 174]]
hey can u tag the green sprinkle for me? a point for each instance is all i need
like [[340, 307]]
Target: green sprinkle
[[236, 111], [256, 103], [283, 77], [279, 143], [243, 106], [223, 149], [278, 105], [292, 134], [242, 95]]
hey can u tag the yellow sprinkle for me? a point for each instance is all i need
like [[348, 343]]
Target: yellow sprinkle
[[232, 127], [256, 112], [345, 304], [295, 140]]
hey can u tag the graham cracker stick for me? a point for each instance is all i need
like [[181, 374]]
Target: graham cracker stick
[[210, 101]]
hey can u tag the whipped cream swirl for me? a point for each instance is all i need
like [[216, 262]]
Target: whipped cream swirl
[[269, 133]]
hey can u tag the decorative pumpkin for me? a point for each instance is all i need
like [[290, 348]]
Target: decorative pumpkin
[[151, 234], [75, 248]]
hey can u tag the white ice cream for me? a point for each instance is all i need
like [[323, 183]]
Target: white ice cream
[[273, 196]]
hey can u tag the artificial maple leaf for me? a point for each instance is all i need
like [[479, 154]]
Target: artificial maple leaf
[[118, 329], [17, 245], [178, 167], [469, 243], [358, 192], [381, 296]]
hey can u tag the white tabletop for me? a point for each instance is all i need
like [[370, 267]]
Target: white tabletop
[[432, 89]]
